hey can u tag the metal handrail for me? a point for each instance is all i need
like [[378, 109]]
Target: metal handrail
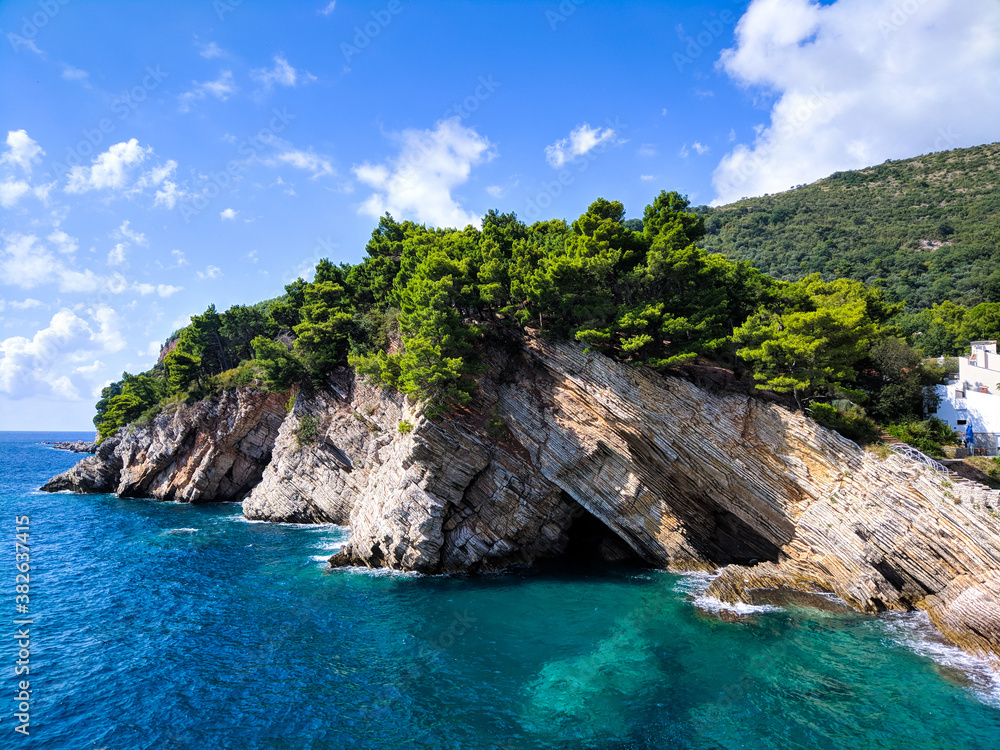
[[914, 455]]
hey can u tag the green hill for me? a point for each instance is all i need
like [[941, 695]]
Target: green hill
[[926, 229]]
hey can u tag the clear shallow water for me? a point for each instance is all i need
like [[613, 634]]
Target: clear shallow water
[[160, 625]]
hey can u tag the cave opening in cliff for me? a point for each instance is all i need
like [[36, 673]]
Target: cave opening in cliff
[[591, 540]]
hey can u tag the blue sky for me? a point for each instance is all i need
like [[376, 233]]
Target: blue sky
[[159, 157]]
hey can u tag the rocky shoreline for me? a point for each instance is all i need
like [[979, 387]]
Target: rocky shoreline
[[74, 446], [566, 453]]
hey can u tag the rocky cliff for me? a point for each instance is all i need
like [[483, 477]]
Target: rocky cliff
[[681, 477], [212, 450], [566, 453]]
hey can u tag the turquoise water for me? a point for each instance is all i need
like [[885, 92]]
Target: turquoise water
[[161, 625]]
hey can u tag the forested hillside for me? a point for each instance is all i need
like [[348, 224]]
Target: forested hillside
[[925, 229]]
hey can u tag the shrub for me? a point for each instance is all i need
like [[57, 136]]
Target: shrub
[[150, 414], [305, 432], [846, 418], [928, 436], [405, 427], [246, 373], [495, 426]]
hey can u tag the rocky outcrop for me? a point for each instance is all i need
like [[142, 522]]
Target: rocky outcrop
[[684, 478], [73, 446], [316, 473], [212, 450], [437, 497]]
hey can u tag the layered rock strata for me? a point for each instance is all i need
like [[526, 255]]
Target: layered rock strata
[[688, 479], [209, 451]]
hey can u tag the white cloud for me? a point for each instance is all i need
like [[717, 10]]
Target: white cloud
[[49, 362], [328, 9], [282, 74], [117, 255], [418, 181], [169, 194], [685, 152], [12, 191], [700, 149], [152, 350], [647, 177], [75, 74], [109, 170], [221, 88], [859, 82], [27, 263], [210, 272], [228, 213], [125, 232], [26, 304], [21, 150], [306, 160], [163, 290], [647, 150], [502, 191], [580, 141], [178, 260], [210, 50], [64, 243]]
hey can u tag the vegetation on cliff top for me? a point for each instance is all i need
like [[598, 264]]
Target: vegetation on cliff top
[[413, 313]]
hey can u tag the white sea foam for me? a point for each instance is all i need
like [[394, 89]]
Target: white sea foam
[[181, 531], [302, 526], [713, 605], [333, 545], [914, 631], [378, 572], [320, 558], [694, 584]]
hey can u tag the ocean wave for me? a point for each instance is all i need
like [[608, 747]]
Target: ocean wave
[[713, 605], [331, 545], [181, 531], [914, 630], [378, 572], [303, 526], [694, 584]]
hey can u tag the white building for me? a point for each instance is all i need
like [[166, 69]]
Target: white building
[[973, 397]]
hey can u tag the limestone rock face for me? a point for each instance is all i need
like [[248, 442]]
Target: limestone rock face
[[316, 479], [686, 478], [209, 451]]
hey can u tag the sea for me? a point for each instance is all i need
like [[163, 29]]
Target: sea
[[163, 625]]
